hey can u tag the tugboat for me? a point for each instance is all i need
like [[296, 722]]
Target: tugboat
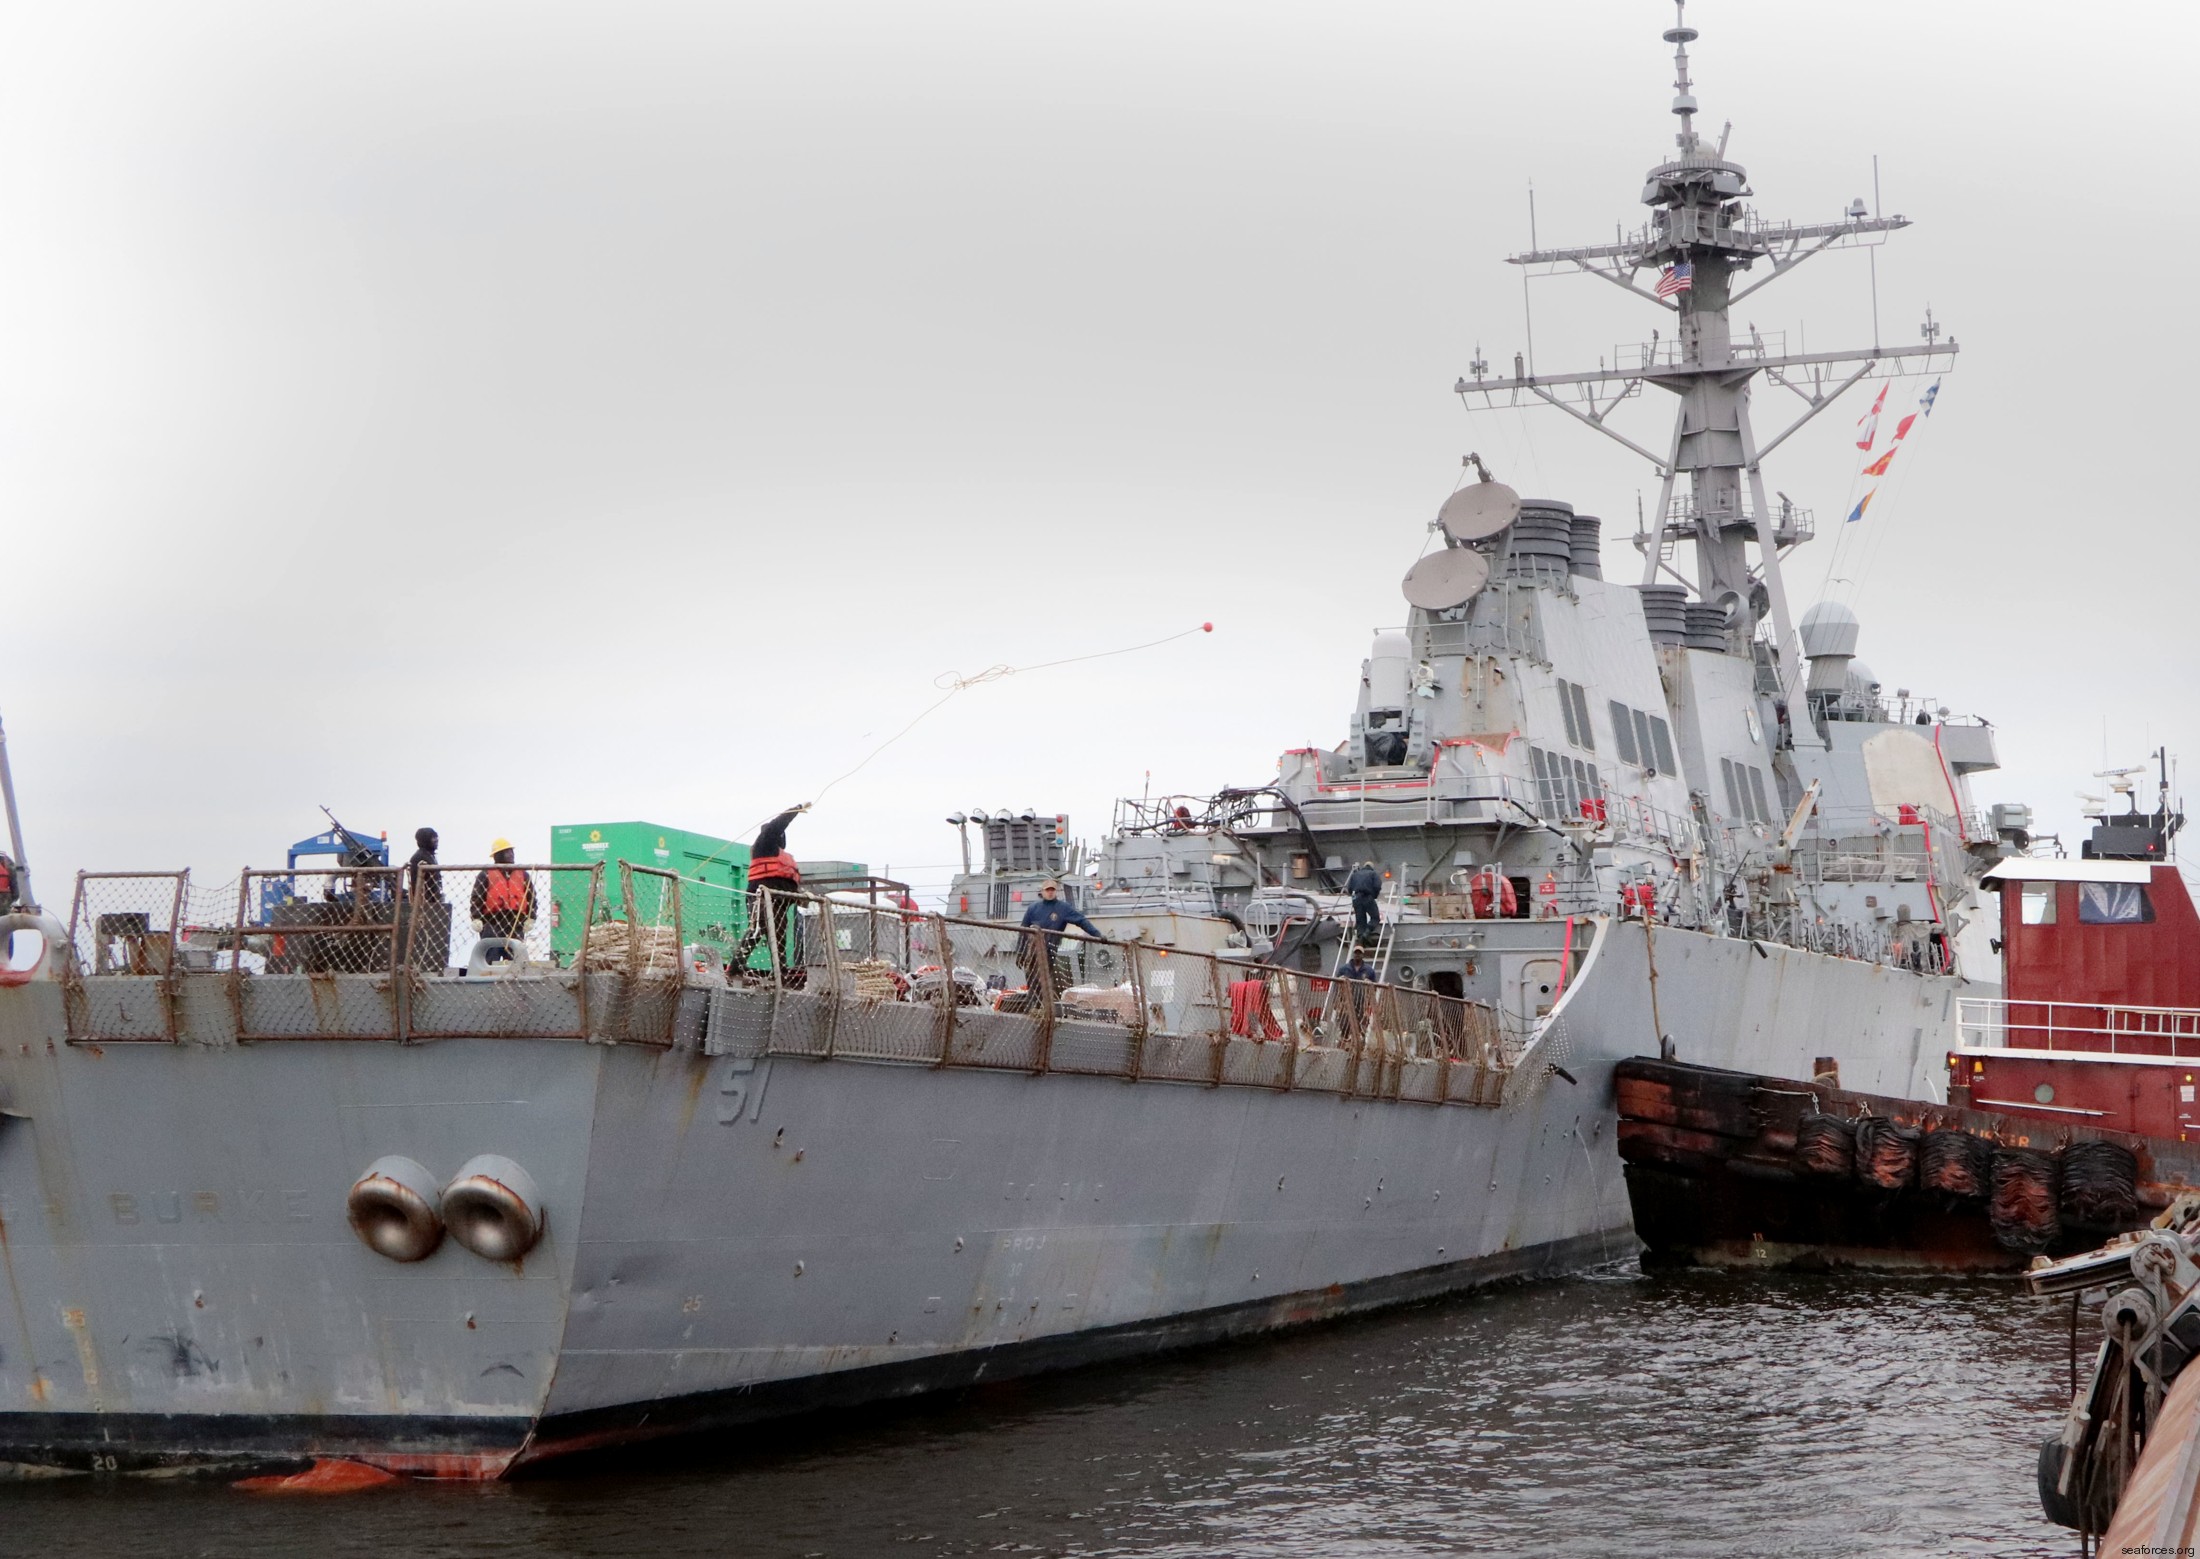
[[2070, 1111]]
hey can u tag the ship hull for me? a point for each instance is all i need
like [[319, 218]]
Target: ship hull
[[734, 1235]]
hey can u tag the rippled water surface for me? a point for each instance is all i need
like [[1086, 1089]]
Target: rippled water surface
[[1619, 1413]]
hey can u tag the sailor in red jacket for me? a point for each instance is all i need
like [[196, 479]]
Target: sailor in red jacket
[[773, 877]]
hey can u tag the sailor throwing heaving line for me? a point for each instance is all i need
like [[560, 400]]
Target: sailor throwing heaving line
[[773, 876]]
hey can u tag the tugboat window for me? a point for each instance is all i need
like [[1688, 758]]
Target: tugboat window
[[2037, 907], [2113, 904]]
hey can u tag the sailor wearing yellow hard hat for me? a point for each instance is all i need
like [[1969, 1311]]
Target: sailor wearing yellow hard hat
[[504, 901]]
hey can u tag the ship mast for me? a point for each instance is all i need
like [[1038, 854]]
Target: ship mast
[[1699, 242]]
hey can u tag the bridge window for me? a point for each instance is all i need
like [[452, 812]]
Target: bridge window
[[2113, 904], [1757, 794], [1623, 732], [1581, 718], [2037, 906]]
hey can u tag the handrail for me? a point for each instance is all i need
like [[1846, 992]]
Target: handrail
[[2077, 1027]]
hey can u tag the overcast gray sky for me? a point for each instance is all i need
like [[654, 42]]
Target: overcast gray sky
[[500, 415]]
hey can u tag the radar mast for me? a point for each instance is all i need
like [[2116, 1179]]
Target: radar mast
[[1699, 241]]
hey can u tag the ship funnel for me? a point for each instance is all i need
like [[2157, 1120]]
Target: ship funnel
[[1587, 544], [1542, 546], [1665, 613], [1829, 632], [1704, 626]]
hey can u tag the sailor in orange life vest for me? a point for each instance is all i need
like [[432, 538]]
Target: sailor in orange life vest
[[772, 876], [503, 903]]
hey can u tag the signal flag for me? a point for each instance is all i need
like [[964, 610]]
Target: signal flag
[[1869, 422]]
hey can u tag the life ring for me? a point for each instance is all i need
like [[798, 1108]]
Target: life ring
[[52, 942]]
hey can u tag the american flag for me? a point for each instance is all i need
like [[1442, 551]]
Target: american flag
[[1675, 278]]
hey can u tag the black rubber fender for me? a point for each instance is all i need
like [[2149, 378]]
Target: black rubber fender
[[2054, 1504]]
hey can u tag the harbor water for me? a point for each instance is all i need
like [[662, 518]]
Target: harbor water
[[1620, 1412]]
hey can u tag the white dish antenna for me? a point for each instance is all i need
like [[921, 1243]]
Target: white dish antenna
[[1446, 579], [1478, 511], [2119, 780]]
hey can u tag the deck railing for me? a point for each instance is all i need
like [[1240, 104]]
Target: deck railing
[[875, 983], [374, 953], [2081, 1028]]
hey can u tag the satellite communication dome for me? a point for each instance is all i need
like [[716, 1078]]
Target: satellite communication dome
[[1828, 628]]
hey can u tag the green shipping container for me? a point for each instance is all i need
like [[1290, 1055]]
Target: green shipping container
[[713, 907], [826, 871]]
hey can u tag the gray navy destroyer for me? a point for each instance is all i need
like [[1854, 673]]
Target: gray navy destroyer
[[293, 1170]]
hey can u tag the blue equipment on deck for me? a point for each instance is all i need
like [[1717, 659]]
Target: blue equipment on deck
[[352, 850]]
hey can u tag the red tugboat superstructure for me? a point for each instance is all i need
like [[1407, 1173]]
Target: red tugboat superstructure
[[2098, 1023]]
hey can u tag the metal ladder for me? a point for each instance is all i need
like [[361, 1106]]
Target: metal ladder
[[1384, 937]]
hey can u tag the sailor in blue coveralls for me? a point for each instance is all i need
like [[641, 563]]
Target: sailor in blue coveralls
[[1365, 884], [1050, 915]]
